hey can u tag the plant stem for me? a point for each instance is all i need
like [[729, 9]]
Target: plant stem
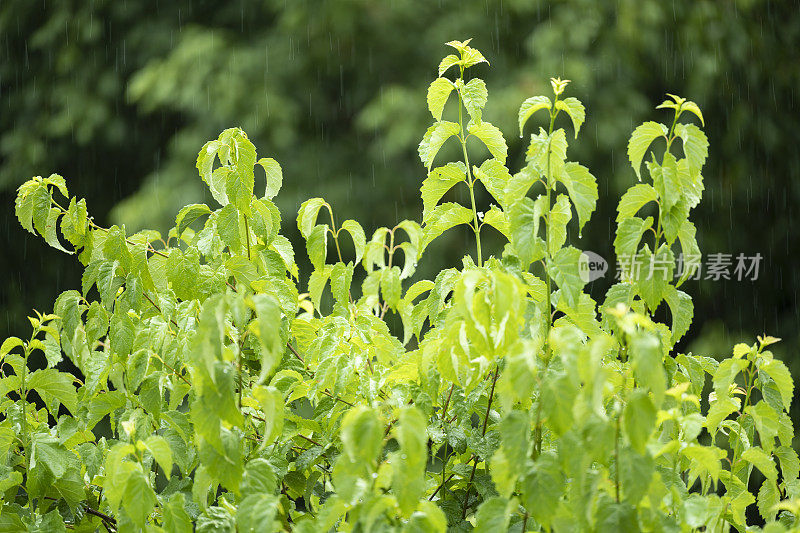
[[470, 181], [247, 234], [616, 459], [553, 113], [483, 434]]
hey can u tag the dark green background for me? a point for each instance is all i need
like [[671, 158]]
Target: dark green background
[[119, 96]]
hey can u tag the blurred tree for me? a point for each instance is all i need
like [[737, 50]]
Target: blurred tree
[[119, 97]]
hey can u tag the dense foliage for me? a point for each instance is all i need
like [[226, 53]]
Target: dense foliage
[[330, 89], [212, 392]]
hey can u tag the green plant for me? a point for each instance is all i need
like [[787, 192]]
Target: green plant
[[209, 393]]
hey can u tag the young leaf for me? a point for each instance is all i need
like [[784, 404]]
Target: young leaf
[[629, 235], [640, 141], [531, 106], [495, 176], [448, 62], [189, 214], [491, 137], [444, 217], [51, 382], [695, 145], [438, 92], [582, 188], [357, 234], [307, 215], [524, 219], [693, 108], [274, 176], [439, 181], [564, 270], [682, 310], [433, 140], [474, 95], [161, 451], [574, 108], [634, 199]]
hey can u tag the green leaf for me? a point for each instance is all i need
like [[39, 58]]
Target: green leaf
[[341, 278], [647, 360], [582, 188], [433, 140], [50, 230], [448, 62], [705, 460], [267, 328], [182, 271], [761, 460], [496, 218], [317, 246], [409, 481], [470, 57], [54, 456], [542, 487], [362, 435], [726, 373], [634, 199], [629, 235], [693, 108], [228, 227], [639, 419], [8, 345], [474, 95], [560, 215], [492, 515], [189, 214], [564, 270], [439, 181], [525, 219], [574, 108], [666, 181], [256, 513], [636, 474], [548, 153], [780, 374], [357, 234], [176, 519], [655, 274], [32, 205], [438, 92], [161, 451], [271, 401], [239, 184], [531, 106], [274, 176], [492, 137], [442, 218], [307, 215], [138, 498], [391, 286], [768, 497], [790, 464], [640, 141], [768, 423], [494, 176], [682, 310], [58, 385], [695, 145]]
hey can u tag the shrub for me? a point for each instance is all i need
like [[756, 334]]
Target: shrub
[[210, 393]]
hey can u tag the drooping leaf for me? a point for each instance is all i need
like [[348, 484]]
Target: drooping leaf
[[531, 106], [492, 137], [433, 140], [641, 139]]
